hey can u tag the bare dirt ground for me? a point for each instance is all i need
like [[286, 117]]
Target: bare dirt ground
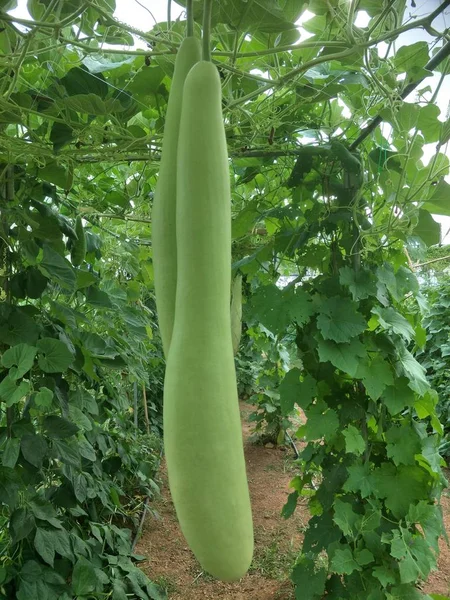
[[277, 541]]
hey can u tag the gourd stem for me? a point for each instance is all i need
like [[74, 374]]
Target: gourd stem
[[190, 18], [207, 10]]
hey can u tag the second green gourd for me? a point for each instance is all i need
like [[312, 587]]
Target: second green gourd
[[163, 213], [202, 429]]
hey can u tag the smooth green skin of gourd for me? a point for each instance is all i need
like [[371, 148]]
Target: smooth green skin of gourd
[[202, 429], [164, 202], [236, 312]]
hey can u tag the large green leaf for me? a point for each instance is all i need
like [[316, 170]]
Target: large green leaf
[[339, 320], [296, 390], [84, 577], [427, 228], [53, 355], [34, 449], [79, 81], [45, 544], [58, 269], [19, 360], [309, 579], [11, 452], [58, 428], [11, 393], [18, 327], [346, 357], [61, 134], [438, 202], [91, 104], [21, 524], [258, 16]]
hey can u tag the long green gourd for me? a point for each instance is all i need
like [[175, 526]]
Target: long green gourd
[[164, 202], [202, 430]]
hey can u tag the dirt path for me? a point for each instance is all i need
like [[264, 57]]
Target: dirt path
[[277, 541]]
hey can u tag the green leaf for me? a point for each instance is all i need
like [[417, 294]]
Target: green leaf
[[354, 441], [343, 562], [92, 104], [322, 422], [397, 397], [54, 356], [403, 444], [346, 519], [414, 370], [359, 480], [348, 160], [295, 391], [385, 159], [411, 56], [19, 360], [58, 269], [61, 135], [42, 509], [425, 405], [303, 165], [430, 452], [12, 393], [414, 556], [429, 123], [34, 449], [267, 307], [300, 307], [80, 419], [397, 283], [45, 545], [445, 132], [320, 534], [393, 321], [345, 357], [364, 557], [339, 320], [360, 283], [97, 297], [58, 427], [146, 83], [21, 524], [427, 228], [384, 575], [44, 398], [376, 376], [11, 452], [438, 202], [62, 543], [308, 579], [429, 516], [54, 173], [79, 81], [66, 453], [18, 328], [290, 506], [400, 486], [119, 590], [84, 577]]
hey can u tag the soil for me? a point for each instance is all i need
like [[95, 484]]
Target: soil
[[171, 564]]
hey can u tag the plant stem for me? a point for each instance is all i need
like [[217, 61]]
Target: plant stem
[[207, 10], [190, 18]]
